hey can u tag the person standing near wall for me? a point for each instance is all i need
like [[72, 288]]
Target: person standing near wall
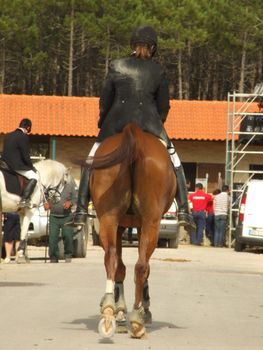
[[12, 232], [60, 214], [199, 200], [210, 218], [221, 207]]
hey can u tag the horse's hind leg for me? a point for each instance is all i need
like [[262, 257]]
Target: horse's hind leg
[[146, 295], [22, 248], [147, 244], [21, 252], [146, 303], [121, 308], [107, 323]]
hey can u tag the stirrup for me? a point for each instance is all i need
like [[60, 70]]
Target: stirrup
[[186, 220], [78, 219]]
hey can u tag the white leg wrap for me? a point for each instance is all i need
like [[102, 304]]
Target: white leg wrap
[[109, 286]]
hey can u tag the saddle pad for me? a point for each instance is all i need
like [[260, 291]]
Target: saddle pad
[[12, 183]]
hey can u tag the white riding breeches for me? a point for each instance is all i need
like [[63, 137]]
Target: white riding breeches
[[174, 156], [94, 149], [29, 174], [175, 159]]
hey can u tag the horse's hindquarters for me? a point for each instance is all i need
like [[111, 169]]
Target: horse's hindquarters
[[133, 175]]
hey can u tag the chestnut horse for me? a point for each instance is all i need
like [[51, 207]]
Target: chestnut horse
[[132, 184]]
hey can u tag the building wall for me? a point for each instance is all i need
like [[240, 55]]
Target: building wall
[[201, 151], [212, 152], [71, 151]]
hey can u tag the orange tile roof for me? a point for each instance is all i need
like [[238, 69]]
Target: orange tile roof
[[77, 116], [50, 115], [200, 120]]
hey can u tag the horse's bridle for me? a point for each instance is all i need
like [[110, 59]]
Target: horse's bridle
[[52, 194]]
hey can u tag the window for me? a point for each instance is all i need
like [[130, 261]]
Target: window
[[257, 167], [216, 174], [190, 175], [39, 146], [215, 171]]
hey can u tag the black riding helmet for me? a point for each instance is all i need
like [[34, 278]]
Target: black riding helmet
[[144, 35]]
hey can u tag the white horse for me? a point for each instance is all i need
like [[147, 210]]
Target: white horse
[[52, 177]]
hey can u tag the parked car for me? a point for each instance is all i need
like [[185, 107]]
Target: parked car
[[38, 234], [249, 230], [168, 233]]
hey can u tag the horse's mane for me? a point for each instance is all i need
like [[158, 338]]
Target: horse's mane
[[51, 171], [45, 164], [129, 150]]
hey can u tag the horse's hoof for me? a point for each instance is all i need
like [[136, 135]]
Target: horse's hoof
[[147, 316], [137, 330], [107, 327], [121, 328], [121, 322], [21, 259], [137, 323], [20, 253]]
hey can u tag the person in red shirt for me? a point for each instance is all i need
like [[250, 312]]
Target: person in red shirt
[[199, 200]]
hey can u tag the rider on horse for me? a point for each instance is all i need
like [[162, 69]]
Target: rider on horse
[[16, 156], [136, 90]]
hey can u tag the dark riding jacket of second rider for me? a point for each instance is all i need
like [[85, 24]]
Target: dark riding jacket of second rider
[[16, 154], [16, 151]]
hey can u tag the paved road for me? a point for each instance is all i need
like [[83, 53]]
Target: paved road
[[202, 298]]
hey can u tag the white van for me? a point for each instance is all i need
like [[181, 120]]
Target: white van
[[249, 230]]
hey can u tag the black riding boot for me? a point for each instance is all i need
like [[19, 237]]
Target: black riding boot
[[184, 215], [29, 189], [81, 213]]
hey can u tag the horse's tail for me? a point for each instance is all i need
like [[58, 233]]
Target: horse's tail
[[129, 150]]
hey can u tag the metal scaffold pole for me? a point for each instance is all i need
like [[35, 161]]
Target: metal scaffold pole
[[244, 148]]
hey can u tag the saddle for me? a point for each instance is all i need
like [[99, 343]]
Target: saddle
[[14, 182]]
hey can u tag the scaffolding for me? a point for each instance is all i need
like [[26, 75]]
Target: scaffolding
[[240, 149]]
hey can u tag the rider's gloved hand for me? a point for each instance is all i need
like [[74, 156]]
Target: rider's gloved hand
[[67, 205], [46, 206]]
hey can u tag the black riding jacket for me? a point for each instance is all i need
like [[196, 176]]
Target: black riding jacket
[[135, 90]]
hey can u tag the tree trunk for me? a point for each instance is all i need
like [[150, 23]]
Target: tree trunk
[[187, 72], [260, 64], [55, 75], [71, 43], [107, 58], [243, 64], [215, 76], [2, 67], [180, 75]]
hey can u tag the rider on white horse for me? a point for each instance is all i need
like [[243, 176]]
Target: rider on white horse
[[16, 156]]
